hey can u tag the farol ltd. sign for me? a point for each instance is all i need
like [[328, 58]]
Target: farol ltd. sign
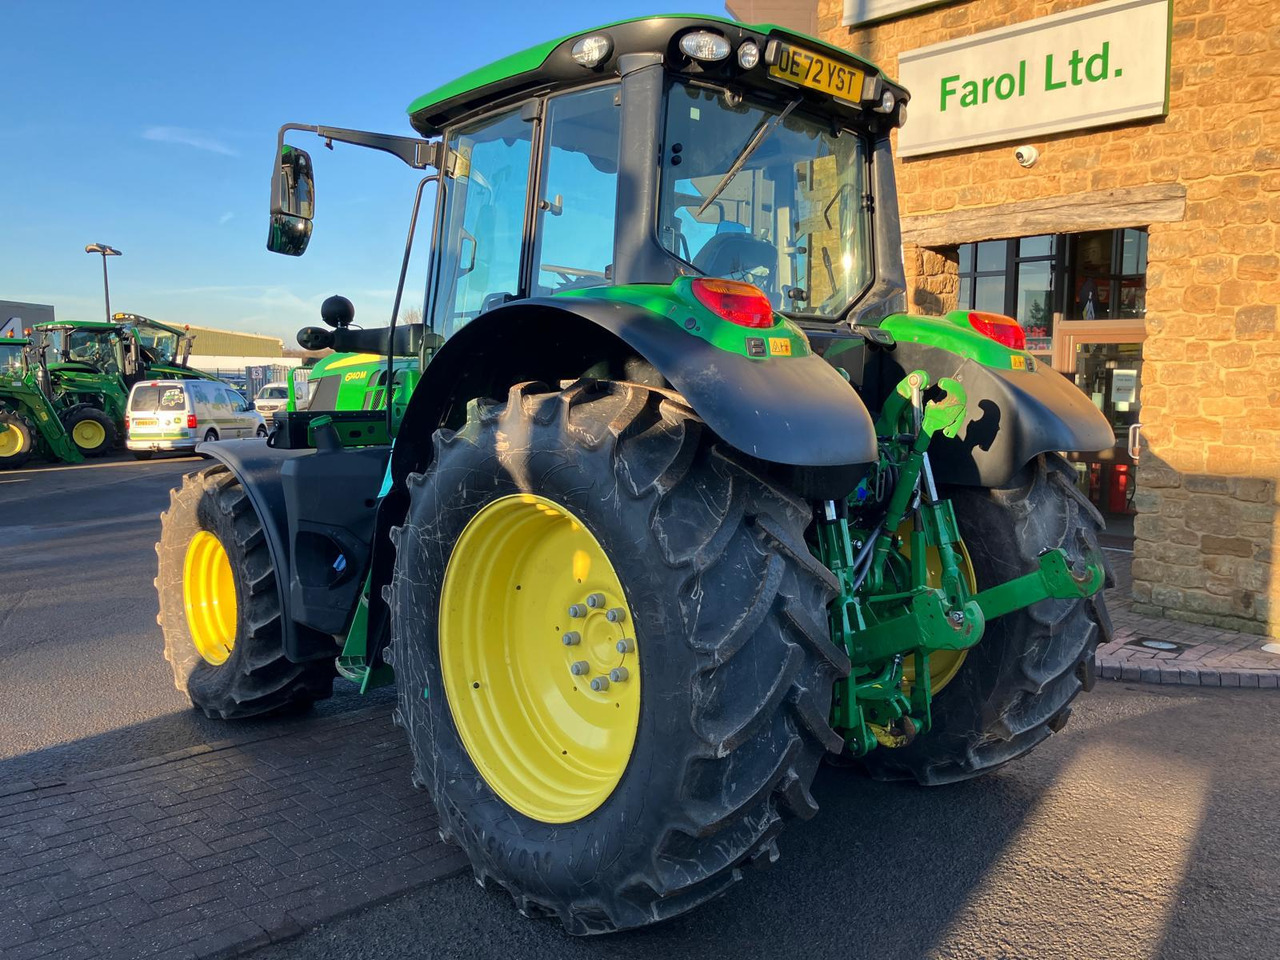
[[1101, 64]]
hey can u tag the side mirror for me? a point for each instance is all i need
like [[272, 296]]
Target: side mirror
[[292, 202]]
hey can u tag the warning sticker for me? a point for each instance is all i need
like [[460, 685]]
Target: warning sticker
[[779, 346]]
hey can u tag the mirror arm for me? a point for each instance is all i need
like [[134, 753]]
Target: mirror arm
[[416, 153]]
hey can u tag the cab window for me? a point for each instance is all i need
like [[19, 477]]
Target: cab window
[[575, 212], [485, 186]]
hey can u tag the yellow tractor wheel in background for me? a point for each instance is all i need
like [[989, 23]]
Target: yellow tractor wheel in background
[[219, 605], [92, 431]]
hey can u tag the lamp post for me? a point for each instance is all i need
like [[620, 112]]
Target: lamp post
[[106, 251]]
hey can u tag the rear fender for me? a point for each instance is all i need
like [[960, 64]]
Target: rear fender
[[796, 411], [317, 511], [1018, 407]]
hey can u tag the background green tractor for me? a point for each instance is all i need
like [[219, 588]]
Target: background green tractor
[[682, 504], [29, 422], [355, 381], [94, 364]]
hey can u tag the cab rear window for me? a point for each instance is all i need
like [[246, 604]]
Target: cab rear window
[[158, 398]]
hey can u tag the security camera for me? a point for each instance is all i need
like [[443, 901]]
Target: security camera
[[1026, 156]]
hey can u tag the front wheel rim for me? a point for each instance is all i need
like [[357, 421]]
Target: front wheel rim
[[11, 440], [209, 598], [88, 434], [551, 742]]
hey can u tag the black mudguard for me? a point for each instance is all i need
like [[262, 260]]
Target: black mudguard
[[315, 507], [1014, 415], [794, 411]]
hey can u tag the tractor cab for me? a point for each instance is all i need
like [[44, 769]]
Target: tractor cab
[[645, 152], [89, 346], [155, 342]]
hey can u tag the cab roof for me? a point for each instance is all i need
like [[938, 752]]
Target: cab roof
[[550, 66]]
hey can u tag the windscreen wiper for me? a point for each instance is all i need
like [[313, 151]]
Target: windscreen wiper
[[753, 144]]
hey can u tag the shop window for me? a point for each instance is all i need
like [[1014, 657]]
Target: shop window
[[1014, 277], [1108, 275]]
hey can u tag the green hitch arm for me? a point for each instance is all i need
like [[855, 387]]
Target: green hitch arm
[[1054, 580]]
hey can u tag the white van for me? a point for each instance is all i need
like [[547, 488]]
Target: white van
[[272, 397], [178, 414]]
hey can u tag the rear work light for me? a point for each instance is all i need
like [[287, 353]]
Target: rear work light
[[735, 301], [192, 423], [999, 328]]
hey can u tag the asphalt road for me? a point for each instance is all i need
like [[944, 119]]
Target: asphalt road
[[1148, 828], [83, 680]]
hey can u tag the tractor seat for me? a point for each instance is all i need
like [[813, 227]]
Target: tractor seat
[[737, 256]]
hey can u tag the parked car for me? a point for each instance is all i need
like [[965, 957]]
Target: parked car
[[272, 397], [177, 414]]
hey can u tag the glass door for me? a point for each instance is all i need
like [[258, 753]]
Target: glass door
[[1110, 374]]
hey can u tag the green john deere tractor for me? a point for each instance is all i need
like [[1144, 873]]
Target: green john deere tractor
[[683, 503], [94, 365], [29, 422]]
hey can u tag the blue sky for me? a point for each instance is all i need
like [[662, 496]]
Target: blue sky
[[150, 126]]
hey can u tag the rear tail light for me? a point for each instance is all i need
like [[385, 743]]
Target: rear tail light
[[735, 301], [191, 421], [126, 423], [999, 328]]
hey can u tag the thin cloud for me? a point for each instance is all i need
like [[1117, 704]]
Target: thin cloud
[[225, 218], [189, 138]]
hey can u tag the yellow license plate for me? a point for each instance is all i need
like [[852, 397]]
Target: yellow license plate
[[818, 72], [144, 423]]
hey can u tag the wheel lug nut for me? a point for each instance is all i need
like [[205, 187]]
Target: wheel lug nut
[[571, 639], [618, 674], [595, 600], [577, 610], [625, 645], [579, 668], [599, 683], [615, 615]]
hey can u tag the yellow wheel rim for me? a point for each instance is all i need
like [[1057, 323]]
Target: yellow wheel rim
[[88, 434], [943, 664], [11, 440], [209, 597], [547, 742]]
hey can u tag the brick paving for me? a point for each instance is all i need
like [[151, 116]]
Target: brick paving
[[213, 850], [1206, 656]]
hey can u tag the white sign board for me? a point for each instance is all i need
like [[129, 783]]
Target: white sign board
[[1100, 64], [865, 11]]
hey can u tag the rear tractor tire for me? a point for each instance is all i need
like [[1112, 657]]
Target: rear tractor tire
[[1015, 687], [92, 431], [612, 654], [219, 609], [17, 439]]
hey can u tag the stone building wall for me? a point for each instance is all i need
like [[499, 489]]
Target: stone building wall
[[1206, 529]]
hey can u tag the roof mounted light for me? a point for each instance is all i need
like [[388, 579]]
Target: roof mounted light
[[704, 45], [887, 102], [748, 55], [591, 51]]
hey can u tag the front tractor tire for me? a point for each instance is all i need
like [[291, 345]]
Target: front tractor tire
[[92, 431], [608, 805], [1015, 687], [219, 609], [17, 439]]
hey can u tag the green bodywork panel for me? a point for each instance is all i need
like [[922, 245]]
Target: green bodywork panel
[[677, 304], [473, 84], [356, 381], [953, 334]]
